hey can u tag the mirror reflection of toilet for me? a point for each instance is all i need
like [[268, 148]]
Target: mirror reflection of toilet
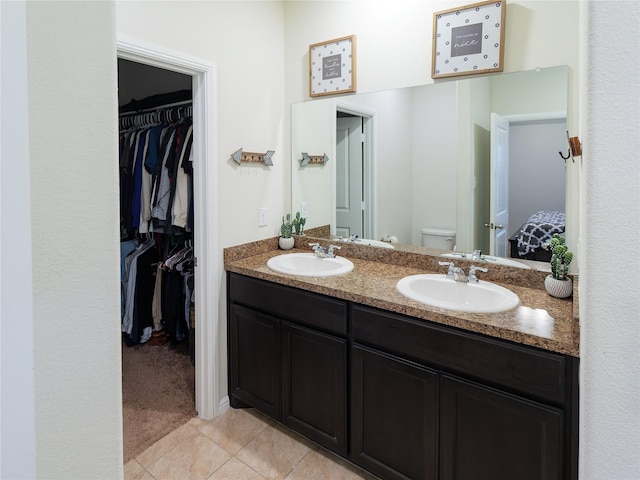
[[442, 239]]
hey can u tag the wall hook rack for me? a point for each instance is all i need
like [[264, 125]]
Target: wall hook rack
[[319, 159], [574, 150], [239, 156]]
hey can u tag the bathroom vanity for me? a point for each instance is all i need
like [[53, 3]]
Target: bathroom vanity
[[400, 389]]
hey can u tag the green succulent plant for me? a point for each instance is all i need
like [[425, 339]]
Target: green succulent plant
[[560, 257], [298, 223], [287, 228]]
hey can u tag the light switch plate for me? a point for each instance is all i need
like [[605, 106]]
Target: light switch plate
[[262, 217], [304, 209]]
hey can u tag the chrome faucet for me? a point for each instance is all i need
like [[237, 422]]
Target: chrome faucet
[[459, 275], [318, 250], [476, 255], [472, 273]]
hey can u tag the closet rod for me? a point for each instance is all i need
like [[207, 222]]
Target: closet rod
[[159, 107]]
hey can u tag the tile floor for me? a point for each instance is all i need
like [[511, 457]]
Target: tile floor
[[238, 445]]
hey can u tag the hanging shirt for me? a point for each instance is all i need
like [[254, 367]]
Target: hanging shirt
[[180, 207], [159, 211], [130, 286]]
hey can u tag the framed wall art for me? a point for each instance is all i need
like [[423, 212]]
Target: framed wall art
[[332, 66], [469, 40]]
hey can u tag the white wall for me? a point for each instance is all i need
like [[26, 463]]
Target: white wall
[[74, 216], [314, 133], [536, 172], [610, 284], [17, 439], [435, 158]]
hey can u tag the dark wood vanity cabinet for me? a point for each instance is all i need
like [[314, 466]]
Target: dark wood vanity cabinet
[[254, 360], [503, 410], [314, 386], [394, 416], [401, 397], [487, 434], [294, 372]]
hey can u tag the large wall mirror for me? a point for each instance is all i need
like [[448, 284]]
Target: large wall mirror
[[477, 156]]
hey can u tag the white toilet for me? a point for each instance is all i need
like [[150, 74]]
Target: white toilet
[[439, 238]]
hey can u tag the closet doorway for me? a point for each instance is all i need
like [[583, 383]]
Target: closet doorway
[[158, 315], [205, 240]]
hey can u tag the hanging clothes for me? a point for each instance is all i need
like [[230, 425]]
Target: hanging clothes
[[156, 195], [137, 320], [177, 293], [156, 203]]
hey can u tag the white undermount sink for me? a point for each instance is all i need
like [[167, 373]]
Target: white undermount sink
[[309, 265], [437, 290], [489, 259]]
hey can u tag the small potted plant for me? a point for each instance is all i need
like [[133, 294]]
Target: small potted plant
[[558, 284], [298, 223], [286, 241]]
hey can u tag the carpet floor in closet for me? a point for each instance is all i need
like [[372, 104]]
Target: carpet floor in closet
[[158, 393]]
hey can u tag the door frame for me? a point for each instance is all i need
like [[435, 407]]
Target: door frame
[[349, 164], [499, 166], [464, 220], [206, 239], [368, 163]]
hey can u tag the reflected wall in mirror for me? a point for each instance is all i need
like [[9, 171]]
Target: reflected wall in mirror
[[429, 158]]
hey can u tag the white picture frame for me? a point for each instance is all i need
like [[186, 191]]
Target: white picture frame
[[469, 40]]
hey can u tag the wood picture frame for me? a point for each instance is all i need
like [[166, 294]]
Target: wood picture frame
[[469, 40], [332, 66]]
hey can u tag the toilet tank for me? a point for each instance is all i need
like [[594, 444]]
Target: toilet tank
[[440, 238]]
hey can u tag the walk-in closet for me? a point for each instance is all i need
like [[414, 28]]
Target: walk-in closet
[[157, 252]]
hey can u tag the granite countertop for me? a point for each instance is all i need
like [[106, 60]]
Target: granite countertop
[[541, 320]]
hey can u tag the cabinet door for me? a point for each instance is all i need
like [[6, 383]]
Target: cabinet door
[[487, 435], [314, 381], [254, 360], [393, 416]]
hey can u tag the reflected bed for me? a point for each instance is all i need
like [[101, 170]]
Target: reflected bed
[[530, 242]]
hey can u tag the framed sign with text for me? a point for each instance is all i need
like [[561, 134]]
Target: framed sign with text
[[469, 40], [332, 66]]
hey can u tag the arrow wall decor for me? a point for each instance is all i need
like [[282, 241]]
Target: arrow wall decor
[[239, 156], [307, 159]]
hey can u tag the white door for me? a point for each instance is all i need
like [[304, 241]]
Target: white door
[[499, 211], [349, 211]]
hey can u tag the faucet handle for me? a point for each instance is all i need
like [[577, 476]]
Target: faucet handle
[[472, 273], [330, 252], [450, 272], [317, 249]]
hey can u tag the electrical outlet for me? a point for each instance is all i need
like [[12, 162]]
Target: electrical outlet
[[262, 217], [304, 210]]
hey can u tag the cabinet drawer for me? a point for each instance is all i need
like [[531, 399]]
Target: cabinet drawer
[[521, 369], [289, 303]]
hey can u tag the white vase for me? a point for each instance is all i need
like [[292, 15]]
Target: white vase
[[558, 288], [286, 243]]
